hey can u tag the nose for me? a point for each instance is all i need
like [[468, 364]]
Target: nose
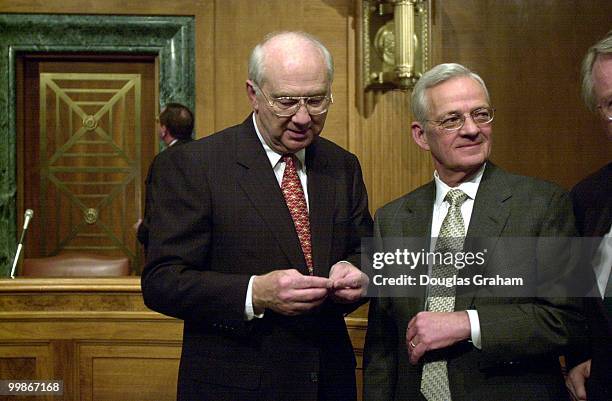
[[469, 127], [301, 117]]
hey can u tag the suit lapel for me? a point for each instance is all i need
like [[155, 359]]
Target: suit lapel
[[321, 197], [416, 226], [489, 217], [257, 179], [418, 212], [602, 219]]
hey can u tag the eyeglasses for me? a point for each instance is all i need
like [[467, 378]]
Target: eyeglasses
[[453, 122], [287, 106], [606, 109]]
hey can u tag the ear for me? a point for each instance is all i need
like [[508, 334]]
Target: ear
[[252, 95], [419, 135], [165, 134], [163, 130]]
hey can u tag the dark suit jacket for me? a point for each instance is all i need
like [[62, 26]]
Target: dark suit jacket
[[521, 336], [592, 199], [143, 229], [219, 217]]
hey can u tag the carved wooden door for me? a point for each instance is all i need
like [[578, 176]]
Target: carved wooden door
[[86, 150]]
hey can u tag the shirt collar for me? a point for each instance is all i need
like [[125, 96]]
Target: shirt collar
[[470, 187], [173, 142], [274, 156]]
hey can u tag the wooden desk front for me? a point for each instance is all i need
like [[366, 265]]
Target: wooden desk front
[[97, 336]]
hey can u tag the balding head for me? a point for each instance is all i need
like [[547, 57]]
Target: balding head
[[289, 68], [288, 48]]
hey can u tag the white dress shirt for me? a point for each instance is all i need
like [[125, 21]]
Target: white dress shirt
[[279, 169], [440, 209], [602, 262]]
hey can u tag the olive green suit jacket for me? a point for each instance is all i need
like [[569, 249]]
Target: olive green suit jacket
[[521, 336]]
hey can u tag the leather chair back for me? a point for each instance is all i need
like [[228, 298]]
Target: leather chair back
[[76, 264]]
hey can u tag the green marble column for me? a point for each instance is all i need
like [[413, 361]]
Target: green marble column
[[169, 38]]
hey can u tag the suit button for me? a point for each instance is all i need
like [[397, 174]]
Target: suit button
[[314, 377]]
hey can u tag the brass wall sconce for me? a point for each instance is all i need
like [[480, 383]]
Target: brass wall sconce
[[395, 42]]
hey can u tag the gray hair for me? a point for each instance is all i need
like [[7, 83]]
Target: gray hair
[[437, 75], [256, 61], [604, 46]]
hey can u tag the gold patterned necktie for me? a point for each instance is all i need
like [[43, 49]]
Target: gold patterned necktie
[[296, 202], [434, 380]]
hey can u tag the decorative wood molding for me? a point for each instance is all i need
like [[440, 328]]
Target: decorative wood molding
[[40, 285]]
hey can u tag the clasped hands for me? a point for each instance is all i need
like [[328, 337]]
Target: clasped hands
[[435, 330], [290, 293]]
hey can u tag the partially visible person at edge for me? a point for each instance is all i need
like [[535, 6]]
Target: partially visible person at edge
[[175, 124], [591, 379], [255, 240]]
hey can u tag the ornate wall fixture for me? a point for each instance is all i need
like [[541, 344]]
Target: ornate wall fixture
[[395, 42]]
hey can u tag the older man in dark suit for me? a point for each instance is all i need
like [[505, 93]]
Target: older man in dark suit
[[593, 207], [255, 237], [481, 342]]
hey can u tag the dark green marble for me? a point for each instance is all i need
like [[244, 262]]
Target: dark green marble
[[170, 38]]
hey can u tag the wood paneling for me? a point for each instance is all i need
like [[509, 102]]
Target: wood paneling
[[527, 51], [529, 54], [98, 337], [130, 372], [29, 360], [375, 126], [393, 164], [68, 168], [95, 335]]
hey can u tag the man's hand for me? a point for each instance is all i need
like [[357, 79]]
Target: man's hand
[[289, 292], [576, 379], [434, 330], [349, 283]]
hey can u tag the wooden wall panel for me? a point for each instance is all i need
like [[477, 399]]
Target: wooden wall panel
[[115, 371], [529, 54], [100, 340], [30, 360], [16, 364], [393, 164], [97, 336]]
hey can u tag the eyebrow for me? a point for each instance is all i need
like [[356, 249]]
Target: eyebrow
[[284, 95], [297, 97], [321, 92], [457, 112]]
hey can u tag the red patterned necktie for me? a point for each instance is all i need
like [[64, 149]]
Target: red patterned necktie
[[296, 202]]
